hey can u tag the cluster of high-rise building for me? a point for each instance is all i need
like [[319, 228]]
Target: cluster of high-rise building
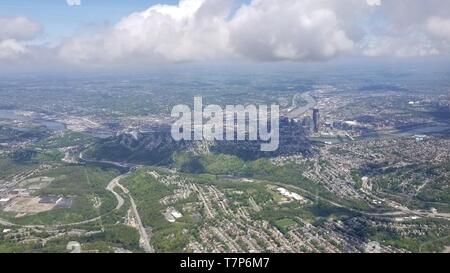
[[312, 123], [316, 120]]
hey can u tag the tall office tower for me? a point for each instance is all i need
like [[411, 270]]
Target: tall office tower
[[316, 120], [307, 124]]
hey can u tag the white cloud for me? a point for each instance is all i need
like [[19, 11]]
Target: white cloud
[[408, 28], [262, 30], [271, 30], [403, 47], [11, 50], [193, 30], [13, 32], [439, 27], [18, 28], [203, 30]]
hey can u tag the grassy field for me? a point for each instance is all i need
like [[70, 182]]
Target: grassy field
[[112, 238], [9, 167], [86, 185]]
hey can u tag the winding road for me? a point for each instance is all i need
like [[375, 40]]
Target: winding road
[[111, 186], [144, 238]]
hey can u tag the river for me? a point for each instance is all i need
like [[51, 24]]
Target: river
[[32, 117]]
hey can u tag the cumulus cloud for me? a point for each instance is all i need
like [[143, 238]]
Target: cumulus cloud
[[408, 28], [18, 28], [265, 30], [402, 47], [439, 27], [260, 30], [192, 30], [272, 30], [13, 31], [12, 50]]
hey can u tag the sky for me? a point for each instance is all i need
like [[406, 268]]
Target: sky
[[116, 33], [61, 19]]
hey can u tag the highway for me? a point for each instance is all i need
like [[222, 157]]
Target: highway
[[6, 223], [144, 239], [111, 186], [399, 210]]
